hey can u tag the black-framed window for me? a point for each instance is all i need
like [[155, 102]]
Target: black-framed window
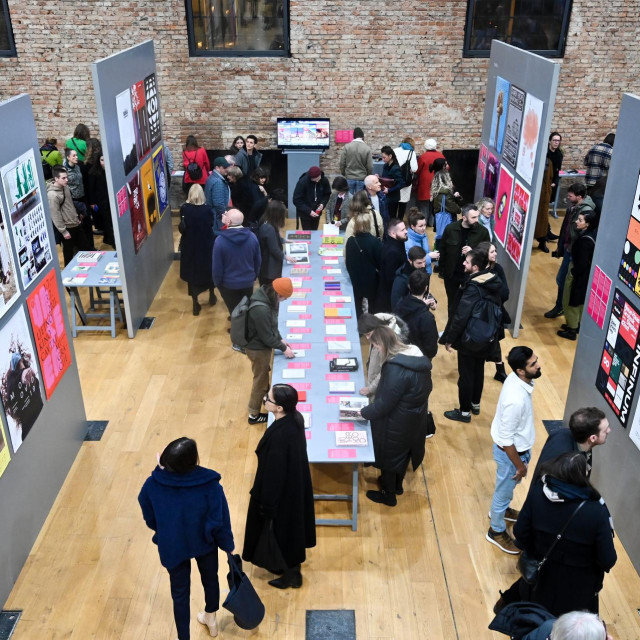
[[535, 25], [238, 27], [7, 45]]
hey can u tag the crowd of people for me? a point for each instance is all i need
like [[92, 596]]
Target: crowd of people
[[232, 235]]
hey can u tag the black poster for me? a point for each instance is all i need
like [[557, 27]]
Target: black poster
[[153, 108], [514, 123]]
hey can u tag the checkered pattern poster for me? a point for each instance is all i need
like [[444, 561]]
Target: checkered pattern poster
[[599, 296], [617, 377]]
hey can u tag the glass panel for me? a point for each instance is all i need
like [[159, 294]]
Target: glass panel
[[241, 25], [5, 45], [535, 25]]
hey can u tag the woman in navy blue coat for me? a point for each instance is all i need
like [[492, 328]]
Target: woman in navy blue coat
[[186, 507], [392, 170]]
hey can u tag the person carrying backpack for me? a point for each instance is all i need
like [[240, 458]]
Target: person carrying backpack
[[262, 336], [474, 330], [50, 157]]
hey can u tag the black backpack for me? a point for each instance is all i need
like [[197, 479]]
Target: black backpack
[[405, 169], [47, 169], [193, 168], [240, 320], [483, 325]]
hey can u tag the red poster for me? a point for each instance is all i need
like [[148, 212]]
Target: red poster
[[138, 222], [503, 204], [49, 332], [517, 222]]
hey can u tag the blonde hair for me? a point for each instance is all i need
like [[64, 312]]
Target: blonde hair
[[387, 342], [359, 204], [362, 224], [196, 195], [442, 180], [235, 172]]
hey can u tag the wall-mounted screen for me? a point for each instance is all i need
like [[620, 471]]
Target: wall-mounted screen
[[303, 133]]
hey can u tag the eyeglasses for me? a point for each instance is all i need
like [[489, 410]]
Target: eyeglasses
[[267, 399]]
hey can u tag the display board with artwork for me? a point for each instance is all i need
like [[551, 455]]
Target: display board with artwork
[[520, 204], [514, 124], [9, 292], [629, 268], [499, 114], [5, 456], [529, 137], [503, 204]]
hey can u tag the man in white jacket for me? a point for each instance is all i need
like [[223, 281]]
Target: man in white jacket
[[406, 153]]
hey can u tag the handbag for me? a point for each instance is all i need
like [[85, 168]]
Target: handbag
[[431, 425], [243, 601], [529, 566], [443, 218], [267, 553]]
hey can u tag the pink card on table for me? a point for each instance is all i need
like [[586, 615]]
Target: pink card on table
[[331, 356], [342, 453], [332, 292], [336, 376], [340, 426], [334, 321], [332, 305], [298, 365], [300, 345], [300, 386], [302, 329], [333, 400], [304, 316], [303, 407], [307, 434], [336, 338]]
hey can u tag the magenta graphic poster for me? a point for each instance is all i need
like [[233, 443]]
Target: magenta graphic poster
[[518, 222], [503, 204]]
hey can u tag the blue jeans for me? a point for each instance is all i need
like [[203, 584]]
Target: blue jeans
[[503, 493], [355, 185], [562, 276]]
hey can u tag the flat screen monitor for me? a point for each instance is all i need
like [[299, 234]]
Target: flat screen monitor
[[303, 133]]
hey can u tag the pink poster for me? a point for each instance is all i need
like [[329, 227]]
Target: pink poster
[[503, 204], [482, 160], [599, 296], [518, 222]]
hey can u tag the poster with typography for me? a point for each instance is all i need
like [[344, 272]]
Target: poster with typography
[[127, 131], [491, 177], [149, 198], [140, 119], [160, 178], [153, 109], [503, 204], [499, 114], [26, 216], [49, 333], [138, 222], [482, 160], [19, 378], [598, 299], [531, 121], [514, 123], [617, 377], [518, 222], [8, 284], [629, 269], [5, 456]]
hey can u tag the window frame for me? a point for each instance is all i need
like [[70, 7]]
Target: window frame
[[467, 52], [194, 52], [11, 51]]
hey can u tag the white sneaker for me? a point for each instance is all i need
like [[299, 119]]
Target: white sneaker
[[209, 620]]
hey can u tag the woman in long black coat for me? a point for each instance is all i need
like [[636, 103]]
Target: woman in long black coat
[[573, 575], [399, 413], [196, 222], [98, 194], [269, 229], [282, 494]]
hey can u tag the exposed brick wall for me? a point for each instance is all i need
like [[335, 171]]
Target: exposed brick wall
[[393, 68]]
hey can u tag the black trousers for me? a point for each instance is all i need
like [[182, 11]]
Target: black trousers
[[232, 297], [180, 579], [309, 223], [451, 287], [77, 242], [470, 380], [390, 481]]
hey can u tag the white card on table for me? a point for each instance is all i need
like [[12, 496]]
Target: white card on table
[[334, 271], [330, 230], [339, 298], [296, 323], [351, 438], [299, 353], [294, 336], [338, 345], [296, 308], [288, 374], [336, 330], [332, 261]]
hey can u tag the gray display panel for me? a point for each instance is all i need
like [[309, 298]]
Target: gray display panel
[[145, 262], [537, 77], [616, 464], [37, 470]]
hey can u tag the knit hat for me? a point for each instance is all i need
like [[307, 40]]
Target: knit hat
[[430, 144], [283, 287], [221, 162], [314, 172]]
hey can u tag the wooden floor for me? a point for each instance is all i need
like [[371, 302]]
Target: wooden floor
[[420, 570]]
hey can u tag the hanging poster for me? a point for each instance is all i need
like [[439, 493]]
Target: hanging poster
[[482, 160], [499, 115], [629, 268], [160, 177], [127, 131], [8, 286], [491, 177], [599, 296], [149, 199], [514, 122], [138, 223], [153, 108], [5, 456], [26, 215], [634, 431], [617, 377], [140, 120], [121, 198], [531, 122], [47, 323], [503, 204], [19, 381], [518, 222]]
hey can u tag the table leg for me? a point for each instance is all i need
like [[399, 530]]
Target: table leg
[[112, 311], [354, 499], [72, 298]]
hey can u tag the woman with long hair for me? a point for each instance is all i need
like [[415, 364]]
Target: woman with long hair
[[184, 504], [337, 207], [362, 258], [97, 194], [399, 414], [236, 145], [281, 502], [78, 142], [269, 234], [360, 205], [443, 193], [196, 222], [256, 196], [486, 208], [194, 154], [392, 171]]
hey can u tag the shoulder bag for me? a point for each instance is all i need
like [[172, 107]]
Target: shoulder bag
[[243, 601], [368, 256], [529, 567], [442, 218]]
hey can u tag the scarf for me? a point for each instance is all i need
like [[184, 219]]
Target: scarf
[[560, 491]]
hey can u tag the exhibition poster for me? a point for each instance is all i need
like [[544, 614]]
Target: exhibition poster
[[491, 177], [499, 114], [531, 122], [122, 200], [482, 160], [503, 204], [160, 177], [149, 200], [630, 262], [47, 323], [153, 109], [518, 222], [138, 223], [140, 120], [26, 215], [634, 431], [8, 284], [617, 377], [127, 131], [599, 296], [5, 456], [514, 123], [19, 381]]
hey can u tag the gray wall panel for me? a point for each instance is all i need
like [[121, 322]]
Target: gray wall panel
[[38, 469]]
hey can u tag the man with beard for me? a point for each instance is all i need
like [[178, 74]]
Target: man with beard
[[392, 258], [513, 433]]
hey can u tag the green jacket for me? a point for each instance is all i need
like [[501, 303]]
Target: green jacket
[[450, 245], [263, 324]]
